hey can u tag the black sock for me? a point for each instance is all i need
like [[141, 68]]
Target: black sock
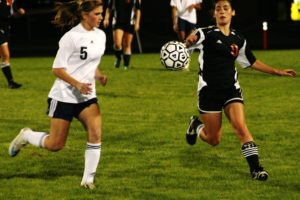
[[126, 58], [118, 54], [250, 152], [7, 73]]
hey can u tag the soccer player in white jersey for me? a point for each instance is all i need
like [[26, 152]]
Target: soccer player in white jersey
[[218, 86], [184, 16], [73, 93]]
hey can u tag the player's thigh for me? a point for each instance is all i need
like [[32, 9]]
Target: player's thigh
[[235, 112], [212, 124], [59, 129], [91, 119], [118, 37]]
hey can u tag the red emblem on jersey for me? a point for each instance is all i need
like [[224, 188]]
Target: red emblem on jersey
[[234, 50]]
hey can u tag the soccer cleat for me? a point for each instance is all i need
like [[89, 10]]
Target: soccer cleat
[[19, 142], [191, 133], [14, 85], [117, 63], [90, 186], [260, 174]]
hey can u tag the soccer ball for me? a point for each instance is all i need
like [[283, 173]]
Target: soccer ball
[[174, 55]]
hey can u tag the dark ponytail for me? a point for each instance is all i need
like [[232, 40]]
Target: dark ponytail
[[69, 13]]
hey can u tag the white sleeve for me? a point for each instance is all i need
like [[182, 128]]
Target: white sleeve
[[245, 57], [172, 3], [201, 38], [178, 6], [65, 50]]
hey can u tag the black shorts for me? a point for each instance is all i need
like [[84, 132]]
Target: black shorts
[[213, 101], [4, 34], [66, 111], [185, 26], [126, 27]]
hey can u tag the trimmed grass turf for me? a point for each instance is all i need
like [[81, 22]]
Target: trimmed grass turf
[[144, 153]]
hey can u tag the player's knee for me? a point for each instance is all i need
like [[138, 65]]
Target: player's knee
[[126, 49], [117, 46], [55, 146], [214, 141]]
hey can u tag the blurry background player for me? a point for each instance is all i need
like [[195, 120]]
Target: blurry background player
[[218, 86], [126, 15], [184, 16], [8, 9], [73, 93]]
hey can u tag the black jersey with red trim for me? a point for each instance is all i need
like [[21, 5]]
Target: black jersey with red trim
[[124, 10], [218, 54]]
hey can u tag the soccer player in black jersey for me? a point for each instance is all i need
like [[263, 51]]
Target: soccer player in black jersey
[[126, 15], [218, 87], [8, 8]]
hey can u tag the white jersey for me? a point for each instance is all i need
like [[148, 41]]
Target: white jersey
[[182, 9], [79, 53]]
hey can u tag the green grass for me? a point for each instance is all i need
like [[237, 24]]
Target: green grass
[[144, 153]]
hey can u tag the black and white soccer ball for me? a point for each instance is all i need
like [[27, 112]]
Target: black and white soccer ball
[[174, 55]]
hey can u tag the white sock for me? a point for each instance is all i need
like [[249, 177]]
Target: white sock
[[199, 129], [92, 158], [35, 138]]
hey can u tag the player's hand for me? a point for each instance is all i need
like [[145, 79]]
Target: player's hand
[[102, 79], [84, 88], [287, 72], [190, 40], [191, 8], [136, 27], [21, 11], [106, 23]]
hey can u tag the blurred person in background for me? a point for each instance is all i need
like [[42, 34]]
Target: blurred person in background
[[8, 9], [126, 17], [184, 16]]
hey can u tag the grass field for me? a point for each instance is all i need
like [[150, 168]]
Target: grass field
[[144, 154]]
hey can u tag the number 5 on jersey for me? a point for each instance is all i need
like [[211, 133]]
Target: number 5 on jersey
[[83, 53]]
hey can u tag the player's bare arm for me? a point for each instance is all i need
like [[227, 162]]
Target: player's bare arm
[[138, 19], [198, 6], [191, 39], [106, 19], [101, 77], [260, 66], [174, 19]]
